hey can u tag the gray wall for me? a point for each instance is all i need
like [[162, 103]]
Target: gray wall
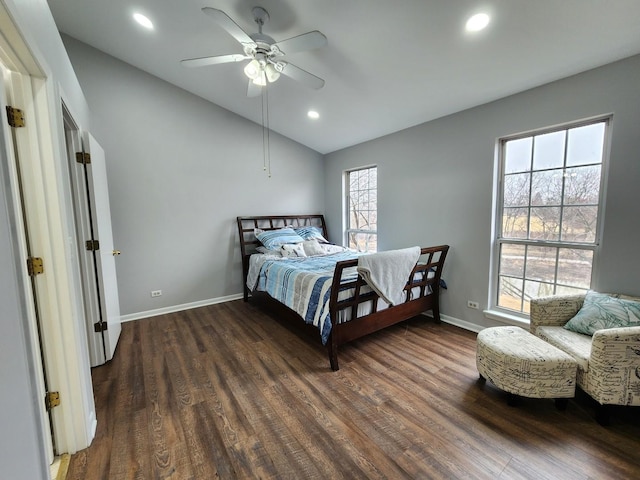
[[435, 180], [180, 170]]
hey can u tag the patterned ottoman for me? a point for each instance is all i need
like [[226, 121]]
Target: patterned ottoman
[[522, 364]]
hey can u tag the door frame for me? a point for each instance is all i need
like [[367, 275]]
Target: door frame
[[41, 149], [21, 237]]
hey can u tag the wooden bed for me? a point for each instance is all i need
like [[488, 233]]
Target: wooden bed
[[423, 285]]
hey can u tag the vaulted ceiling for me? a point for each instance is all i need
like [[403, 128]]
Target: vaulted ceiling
[[388, 65]]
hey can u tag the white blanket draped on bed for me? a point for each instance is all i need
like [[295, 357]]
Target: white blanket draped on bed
[[387, 272]]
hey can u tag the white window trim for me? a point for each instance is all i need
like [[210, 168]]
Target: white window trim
[[504, 315], [345, 207]]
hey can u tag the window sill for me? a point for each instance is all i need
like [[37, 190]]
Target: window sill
[[506, 318]]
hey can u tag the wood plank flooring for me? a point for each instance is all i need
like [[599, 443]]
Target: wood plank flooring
[[228, 391]]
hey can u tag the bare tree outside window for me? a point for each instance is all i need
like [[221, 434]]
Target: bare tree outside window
[[550, 208], [362, 209]]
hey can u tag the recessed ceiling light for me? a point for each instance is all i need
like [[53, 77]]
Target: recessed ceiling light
[[477, 22], [142, 20], [313, 114]]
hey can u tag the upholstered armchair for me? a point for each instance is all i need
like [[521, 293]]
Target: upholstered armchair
[[608, 361]]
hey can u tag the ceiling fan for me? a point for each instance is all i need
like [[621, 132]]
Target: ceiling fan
[[264, 53]]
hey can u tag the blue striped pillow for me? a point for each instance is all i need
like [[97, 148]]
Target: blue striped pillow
[[311, 233], [275, 238]]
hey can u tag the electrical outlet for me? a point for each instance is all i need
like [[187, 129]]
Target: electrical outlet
[[471, 304], [156, 293]]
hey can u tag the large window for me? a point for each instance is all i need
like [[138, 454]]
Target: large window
[[362, 209], [548, 212]]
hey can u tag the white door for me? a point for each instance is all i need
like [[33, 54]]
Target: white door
[[11, 173], [106, 254], [98, 255]]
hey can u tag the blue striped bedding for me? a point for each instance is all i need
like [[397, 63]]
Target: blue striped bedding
[[304, 285]]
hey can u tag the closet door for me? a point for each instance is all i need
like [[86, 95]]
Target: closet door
[[100, 254]]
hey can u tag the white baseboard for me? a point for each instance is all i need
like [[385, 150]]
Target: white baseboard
[[457, 322], [212, 301], [178, 308]]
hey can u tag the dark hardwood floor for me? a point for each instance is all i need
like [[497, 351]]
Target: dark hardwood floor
[[228, 391]]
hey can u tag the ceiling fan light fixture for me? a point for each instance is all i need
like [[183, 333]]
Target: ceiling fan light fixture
[[271, 72], [253, 69], [261, 79], [262, 52]]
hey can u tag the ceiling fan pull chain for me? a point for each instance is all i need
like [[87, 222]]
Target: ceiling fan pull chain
[[264, 133], [268, 149], [264, 153]]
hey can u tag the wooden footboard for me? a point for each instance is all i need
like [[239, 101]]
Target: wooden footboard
[[422, 294]]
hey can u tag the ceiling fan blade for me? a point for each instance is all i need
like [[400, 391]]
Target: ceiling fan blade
[[301, 76], [253, 90], [229, 25], [306, 41], [204, 61]]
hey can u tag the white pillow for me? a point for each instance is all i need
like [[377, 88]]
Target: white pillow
[[312, 247], [293, 250]]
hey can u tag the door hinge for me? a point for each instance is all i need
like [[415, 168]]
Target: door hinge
[[51, 400], [93, 245], [35, 266], [100, 327], [83, 158], [15, 117]]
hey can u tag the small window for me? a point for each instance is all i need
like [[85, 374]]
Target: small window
[[548, 213], [362, 209]]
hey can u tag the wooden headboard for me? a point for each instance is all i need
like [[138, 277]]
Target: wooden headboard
[[249, 243]]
